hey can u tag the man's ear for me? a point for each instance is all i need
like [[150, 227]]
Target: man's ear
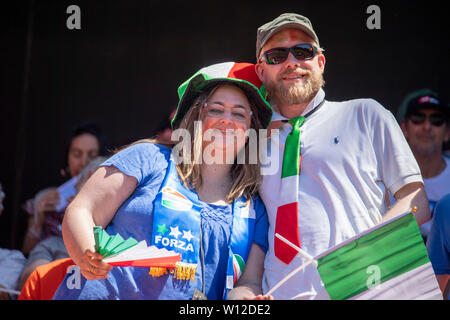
[[259, 71], [321, 59]]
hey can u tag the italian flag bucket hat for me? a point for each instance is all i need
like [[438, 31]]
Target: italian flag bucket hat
[[239, 73]]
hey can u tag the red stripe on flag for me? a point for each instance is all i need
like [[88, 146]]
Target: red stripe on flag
[[164, 262], [245, 71]]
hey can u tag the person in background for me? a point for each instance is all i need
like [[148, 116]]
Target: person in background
[[43, 239], [45, 279], [2, 197], [438, 244], [11, 265], [164, 131], [425, 121]]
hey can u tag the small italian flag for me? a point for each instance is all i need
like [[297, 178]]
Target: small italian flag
[[117, 251], [386, 262]]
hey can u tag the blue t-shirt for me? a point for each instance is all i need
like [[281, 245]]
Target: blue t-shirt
[[438, 243], [148, 164]]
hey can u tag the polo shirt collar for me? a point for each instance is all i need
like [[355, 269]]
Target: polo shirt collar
[[320, 96]]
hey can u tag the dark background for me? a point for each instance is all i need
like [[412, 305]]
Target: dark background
[[123, 67]]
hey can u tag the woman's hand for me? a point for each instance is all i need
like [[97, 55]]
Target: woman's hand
[[92, 267]]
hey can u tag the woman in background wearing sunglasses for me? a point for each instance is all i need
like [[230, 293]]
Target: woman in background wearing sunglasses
[[424, 119], [205, 210]]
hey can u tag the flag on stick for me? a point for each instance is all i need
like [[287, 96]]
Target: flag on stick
[[117, 251], [386, 262]]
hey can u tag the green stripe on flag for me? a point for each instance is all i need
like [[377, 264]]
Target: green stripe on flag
[[392, 249]]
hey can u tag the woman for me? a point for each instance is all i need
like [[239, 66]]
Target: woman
[[43, 240], [194, 193]]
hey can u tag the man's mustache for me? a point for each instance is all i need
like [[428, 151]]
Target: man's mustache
[[297, 71]]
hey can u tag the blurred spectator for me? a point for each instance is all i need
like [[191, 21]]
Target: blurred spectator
[[43, 240], [164, 131], [2, 196], [45, 279], [424, 119], [11, 265]]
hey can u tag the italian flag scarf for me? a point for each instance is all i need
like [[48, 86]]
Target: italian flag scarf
[[286, 223]]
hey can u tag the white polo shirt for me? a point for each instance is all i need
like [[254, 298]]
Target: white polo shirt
[[350, 151]]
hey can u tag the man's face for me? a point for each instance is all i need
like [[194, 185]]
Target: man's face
[[423, 137], [293, 81]]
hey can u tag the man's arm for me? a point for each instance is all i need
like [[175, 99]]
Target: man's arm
[[409, 196]]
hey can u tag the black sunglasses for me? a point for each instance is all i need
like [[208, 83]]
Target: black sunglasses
[[304, 51], [436, 119]]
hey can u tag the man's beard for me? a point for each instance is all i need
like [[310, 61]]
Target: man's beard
[[425, 150], [296, 93]]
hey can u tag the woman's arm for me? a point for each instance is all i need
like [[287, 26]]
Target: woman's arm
[[95, 205], [249, 285]]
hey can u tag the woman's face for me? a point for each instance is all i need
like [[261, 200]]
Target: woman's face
[[83, 149], [226, 117]]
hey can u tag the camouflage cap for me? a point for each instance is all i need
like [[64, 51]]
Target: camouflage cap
[[285, 20]]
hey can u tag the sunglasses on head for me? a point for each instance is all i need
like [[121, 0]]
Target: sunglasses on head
[[304, 51], [436, 119]]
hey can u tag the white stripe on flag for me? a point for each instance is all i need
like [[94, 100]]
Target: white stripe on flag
[[219, 70], [422, 287], [287, 190]]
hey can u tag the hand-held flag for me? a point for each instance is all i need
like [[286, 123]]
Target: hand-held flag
[[119, 252]]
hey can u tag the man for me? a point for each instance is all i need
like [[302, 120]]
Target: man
[[349, 153], [424, 119]]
